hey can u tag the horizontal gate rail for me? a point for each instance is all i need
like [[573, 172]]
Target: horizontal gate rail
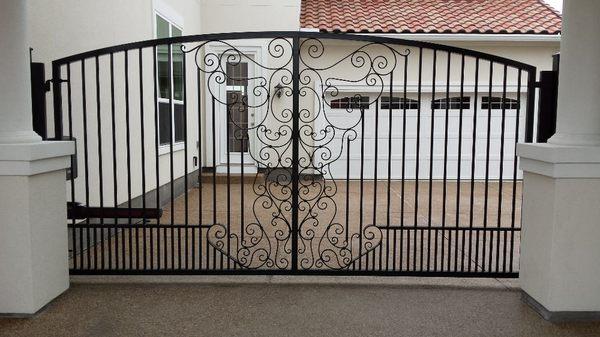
[[82, 212], [298, 273], [294, 153]]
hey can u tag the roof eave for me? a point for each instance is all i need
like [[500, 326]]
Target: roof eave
[[463, 37], [479, 37]]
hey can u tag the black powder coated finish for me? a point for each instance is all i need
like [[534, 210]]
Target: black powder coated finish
[[294, 184]]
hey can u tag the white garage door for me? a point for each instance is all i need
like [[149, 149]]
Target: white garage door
[[489, 146]]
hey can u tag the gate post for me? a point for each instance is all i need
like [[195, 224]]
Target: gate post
[[548, 100], [560, 273], [33, 231]]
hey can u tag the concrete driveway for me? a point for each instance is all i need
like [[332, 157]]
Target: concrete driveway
[[290, 306]]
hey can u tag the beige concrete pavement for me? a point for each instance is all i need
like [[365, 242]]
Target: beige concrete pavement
[[290, 306]]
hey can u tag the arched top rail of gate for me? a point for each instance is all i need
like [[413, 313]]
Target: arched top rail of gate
[[290, 35], [296, 40]]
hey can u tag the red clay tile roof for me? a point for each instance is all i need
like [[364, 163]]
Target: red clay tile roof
[[431, 16]]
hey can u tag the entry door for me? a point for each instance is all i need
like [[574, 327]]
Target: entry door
[[235, 116]]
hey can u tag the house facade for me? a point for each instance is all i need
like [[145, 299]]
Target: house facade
[[61, 29]]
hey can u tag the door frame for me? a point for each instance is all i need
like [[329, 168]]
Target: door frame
[[257, 52]]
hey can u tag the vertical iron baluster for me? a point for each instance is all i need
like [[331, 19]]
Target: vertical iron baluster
[[200, 157], [214, 172], [348, 190], [295, 146], [373, 253], [241, 192], [417, 165], [128, 138], [171, 170], [487, 172], [402, 188], [243, 133], [361, 193], [207, 253], [375, 175], [72, 176], [515, 167], [473, 154], [185, 162], [143, 154], [445, 172], [114, 159], [156, 159], [501, 169], [86, 166], [100, 175], [375, 163], [57, 100], [432, 137], [458, 171], [380, 258], [389, 174], [214, 255], [228, 191]]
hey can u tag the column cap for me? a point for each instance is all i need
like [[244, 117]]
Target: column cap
[[26, 159], [560, 161]]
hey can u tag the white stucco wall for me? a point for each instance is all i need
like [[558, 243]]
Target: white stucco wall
[[62, 28], [221, 16]]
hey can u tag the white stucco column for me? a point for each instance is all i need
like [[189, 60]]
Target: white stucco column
[[33, 233], [560, 245], [15, 89], [578, 121]]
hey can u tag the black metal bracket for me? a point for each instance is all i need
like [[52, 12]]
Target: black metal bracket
[[72, 171], [38, 98], [548, 102], [47, 84]]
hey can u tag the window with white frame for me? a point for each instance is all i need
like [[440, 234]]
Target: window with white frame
[[452, 103], [171, 112], [495, 103], [354, 102], [399, 103], [237, 105]]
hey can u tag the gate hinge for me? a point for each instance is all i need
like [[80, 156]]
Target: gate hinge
[[52, 81]]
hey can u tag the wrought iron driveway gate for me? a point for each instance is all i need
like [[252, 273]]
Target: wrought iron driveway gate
[[293, 153]]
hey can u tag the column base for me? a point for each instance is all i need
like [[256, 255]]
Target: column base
[[559, 269], [33, 231], [559, 316]]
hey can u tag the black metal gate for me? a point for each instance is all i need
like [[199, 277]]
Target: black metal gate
[[294, 153]]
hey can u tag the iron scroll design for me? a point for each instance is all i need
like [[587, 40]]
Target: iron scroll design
[[258, 244], [313, 146], [323, 241]]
